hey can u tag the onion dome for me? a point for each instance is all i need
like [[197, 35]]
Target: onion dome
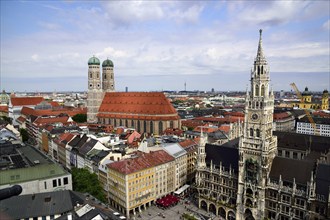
[[107, 63], [93, 61], [306, 92]]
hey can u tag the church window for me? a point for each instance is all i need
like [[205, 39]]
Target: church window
[[262, 69], [160, 127], [249, 103], [105, 76], [258, 133], [257, 104], [139, 126], [260, 104], [262, 90], [258, 70], [151, 127], [97, 75], [145, 126], [90, 75], [257, 90], [251, 132]]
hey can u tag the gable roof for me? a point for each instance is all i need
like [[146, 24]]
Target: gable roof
[[287, 168], [21, 101], [135, 104], [227, 154], [143, 161], [40, 204]]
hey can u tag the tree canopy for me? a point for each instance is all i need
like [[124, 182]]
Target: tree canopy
[[84, 181], [80, 118]]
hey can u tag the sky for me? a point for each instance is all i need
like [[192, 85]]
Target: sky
[[163, 45]]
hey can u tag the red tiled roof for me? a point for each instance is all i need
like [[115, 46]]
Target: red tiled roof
[[225, 128], [143, 161], [187, 143], [205, 129], [21, 119], [44, 121], [282, 115], [4, 108], [54, 104], [21, 101], [139, 105], [53, 112]]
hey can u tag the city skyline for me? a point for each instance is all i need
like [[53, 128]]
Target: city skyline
[[157, 45]]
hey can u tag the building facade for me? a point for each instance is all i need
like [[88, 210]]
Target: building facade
[[247, 180], [149, 112]]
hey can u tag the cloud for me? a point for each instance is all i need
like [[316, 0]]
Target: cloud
[[35, 57], [50, 26], [326, 25], [134, 12]]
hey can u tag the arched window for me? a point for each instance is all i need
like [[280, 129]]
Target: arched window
[[251, 132], [139, 126], [257, 104], [160, 127], [257, 90], [258, 133], [262, 69], [262, 90], [151, 127], [145, 126], [258, 70]]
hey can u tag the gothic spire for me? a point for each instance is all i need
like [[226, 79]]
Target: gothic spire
[[260, 54]]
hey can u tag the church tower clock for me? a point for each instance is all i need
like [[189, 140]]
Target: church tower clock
[[258, 146]]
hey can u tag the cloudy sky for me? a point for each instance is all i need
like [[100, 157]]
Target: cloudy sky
[[161, 45]]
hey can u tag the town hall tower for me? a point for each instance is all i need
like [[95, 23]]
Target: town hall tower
[[257, 147]]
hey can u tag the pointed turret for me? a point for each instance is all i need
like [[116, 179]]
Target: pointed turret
[[260, 59]]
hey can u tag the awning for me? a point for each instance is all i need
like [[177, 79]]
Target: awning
[[182, 189]]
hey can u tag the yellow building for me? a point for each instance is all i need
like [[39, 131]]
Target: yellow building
[[309, 103], [134, 183]]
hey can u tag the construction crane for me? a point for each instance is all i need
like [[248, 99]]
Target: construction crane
[[310, 119]]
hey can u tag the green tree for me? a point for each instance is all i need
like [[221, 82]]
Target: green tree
[[80, 118], [7, 119], [84, 181], [24, 134]]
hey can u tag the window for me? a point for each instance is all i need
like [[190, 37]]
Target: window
[[54, 183], [295, 155], [59, 182], [45, 184], [262, 90], [257, 91], [287, 154], [258, 133], [251, 132]]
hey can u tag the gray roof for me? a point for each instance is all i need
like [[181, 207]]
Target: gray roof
[[289, 169], [174, 149], [302, 142], [41, 204], [323, 180]]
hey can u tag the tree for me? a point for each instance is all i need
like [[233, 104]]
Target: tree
[[24, 134], [80, 118], [84, 181], [7, 119]]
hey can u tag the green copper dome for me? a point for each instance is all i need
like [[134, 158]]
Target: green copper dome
[[93, 61], [107, 63]]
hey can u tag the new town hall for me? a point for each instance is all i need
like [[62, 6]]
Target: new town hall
[[245, 179]]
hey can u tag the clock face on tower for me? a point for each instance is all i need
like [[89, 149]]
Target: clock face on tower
[[254, 116]]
